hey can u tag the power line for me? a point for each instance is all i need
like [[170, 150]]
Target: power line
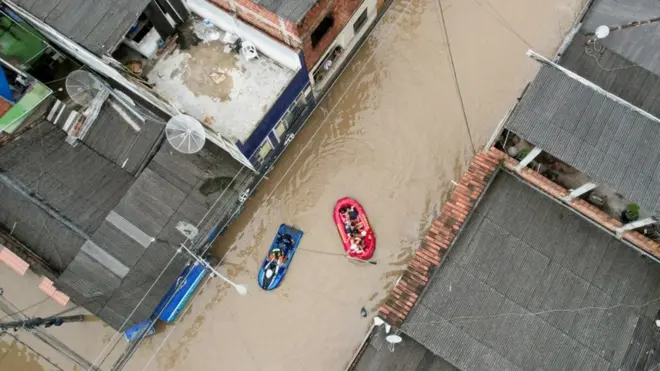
[[533, 314], [325, 119], [22, 311], [16, 339], [500, 19], [455, 76], [160, 275]]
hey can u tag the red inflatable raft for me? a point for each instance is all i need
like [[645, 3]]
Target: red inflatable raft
[[361, 224]]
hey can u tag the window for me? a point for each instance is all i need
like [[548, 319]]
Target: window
[[360, 21], [280, 129], [322, 29], [264, 150]]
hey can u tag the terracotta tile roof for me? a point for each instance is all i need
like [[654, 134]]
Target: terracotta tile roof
[[439, 237], [445, 228]]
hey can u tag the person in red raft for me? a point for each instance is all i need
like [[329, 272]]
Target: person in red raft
[[354, 228]]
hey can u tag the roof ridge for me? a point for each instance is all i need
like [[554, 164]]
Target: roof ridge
[[544, 61]]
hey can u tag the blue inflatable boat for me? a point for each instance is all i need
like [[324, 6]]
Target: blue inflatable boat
[[272, 272]]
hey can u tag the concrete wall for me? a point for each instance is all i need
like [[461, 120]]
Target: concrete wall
[[299, 82], [347, 38], [273, 49], [298, 35]]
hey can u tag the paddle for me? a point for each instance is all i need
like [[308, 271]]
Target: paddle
[[338, 254], [363, 261]]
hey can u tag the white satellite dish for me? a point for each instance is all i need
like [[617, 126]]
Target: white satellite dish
[[88, 91], [602, 32], [393, 339], [83, 87], [185, 134]]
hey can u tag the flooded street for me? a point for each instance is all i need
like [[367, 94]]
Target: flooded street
[[392, 134]]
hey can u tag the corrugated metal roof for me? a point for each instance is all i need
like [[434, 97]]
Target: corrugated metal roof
[[637, 44], [614, 73], [531, 285], [115, 140], [166, 193], [607, 140], [293, 10], [77, 182], [409, 355], [97, 25]]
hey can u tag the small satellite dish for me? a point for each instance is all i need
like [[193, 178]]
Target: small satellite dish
[[602, 32], [82, 87], [185, 134], [393, 339], [378, 321]]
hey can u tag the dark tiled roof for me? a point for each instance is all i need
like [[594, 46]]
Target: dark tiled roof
[[520, 251], [115, 140], [119, 264], [637, 44], [606, 139], [407, 356], [77, 182], [511, 294], [293, 10], [98, 25], [614, 73]]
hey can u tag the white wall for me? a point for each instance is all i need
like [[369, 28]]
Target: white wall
[[266, 44], [347, 38]]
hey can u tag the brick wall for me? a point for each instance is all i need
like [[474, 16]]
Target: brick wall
[[261, 18], [438, 239], [444, 229], [297, 35], [341, 10]]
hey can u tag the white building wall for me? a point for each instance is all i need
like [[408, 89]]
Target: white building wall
[[264, 43]]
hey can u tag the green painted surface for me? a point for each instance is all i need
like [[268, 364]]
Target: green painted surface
[[15, 116], [18, 45]]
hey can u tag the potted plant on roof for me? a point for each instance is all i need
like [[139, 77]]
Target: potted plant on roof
[[631, 213]]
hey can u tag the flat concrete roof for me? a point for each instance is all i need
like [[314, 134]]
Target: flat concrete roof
[[219, 88]]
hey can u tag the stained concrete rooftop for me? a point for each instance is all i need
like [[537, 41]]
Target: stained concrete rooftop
[[235, 102]]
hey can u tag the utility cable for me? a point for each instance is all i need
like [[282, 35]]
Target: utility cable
[[22, 311], [455, 76], [307, 143]]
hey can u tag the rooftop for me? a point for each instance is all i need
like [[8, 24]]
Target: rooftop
[[409, 355], [114, 139], [98, 25], [528, 284], [532, 285], [509, 277], [118, 264], [609, 140], [638, 44], [614, 73], [76, 181], [220, 88], [294, 11]]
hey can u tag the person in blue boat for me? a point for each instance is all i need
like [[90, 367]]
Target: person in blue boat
[[278, 255]]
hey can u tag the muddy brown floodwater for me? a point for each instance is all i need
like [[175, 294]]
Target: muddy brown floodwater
[[390, 134]]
